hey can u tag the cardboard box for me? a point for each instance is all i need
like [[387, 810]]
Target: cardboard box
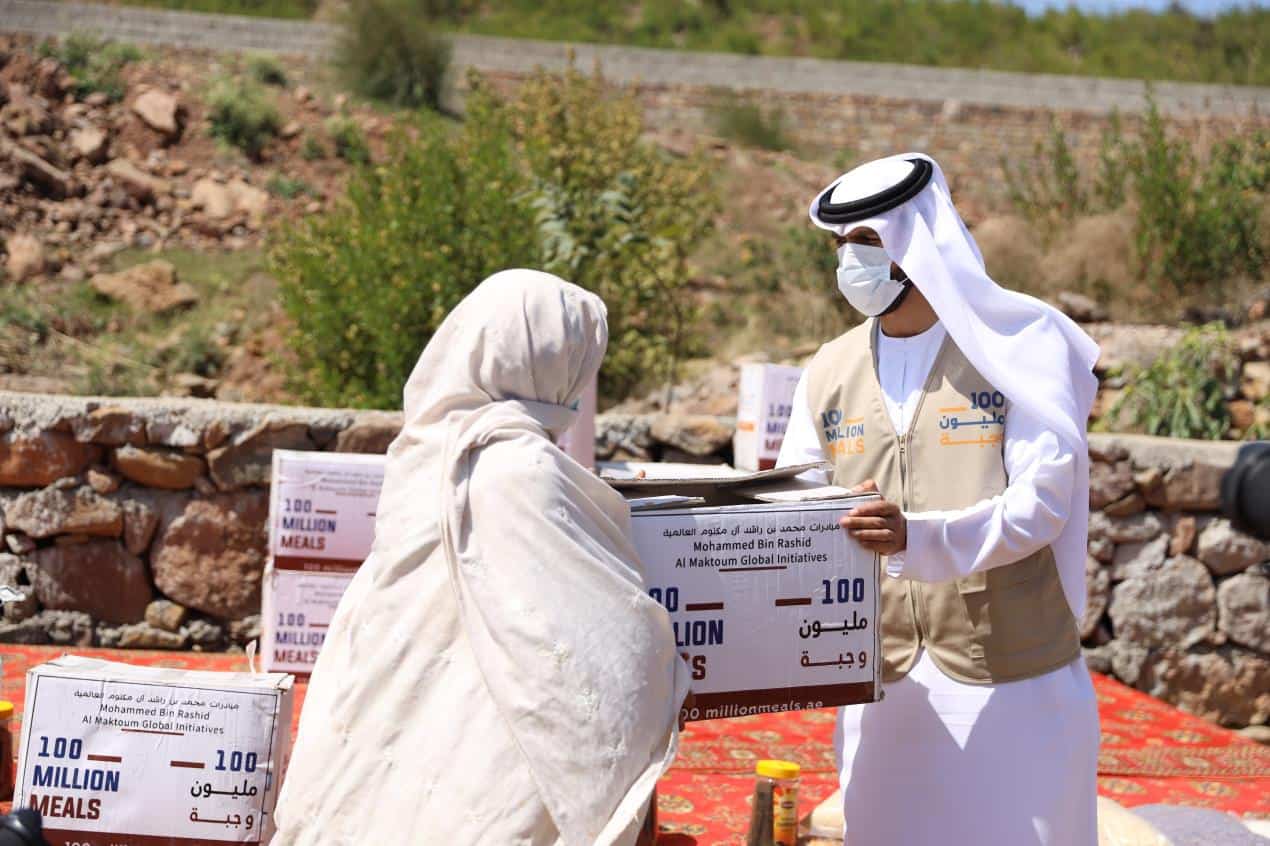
[[118, 755], [321, 528], [773, 605], [764, 403]]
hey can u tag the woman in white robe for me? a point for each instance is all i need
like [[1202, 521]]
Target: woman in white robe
[[496, 672]]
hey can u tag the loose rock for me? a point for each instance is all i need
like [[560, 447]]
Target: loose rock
[[1109, 483], [1227, 550], [100, 578], [91, 144], [166, 615], [1243, 610], [138, 184], [13, 575], [248, 460], [228, 529], [699, 434], [1254, 382], [160, 111], [369, 434], [213, 198], [1098, 591], [1175, 605], [59, 511], [110, 426], [151, 287], [25, 257], [1227, 685], [1139, 559], [159, 468]]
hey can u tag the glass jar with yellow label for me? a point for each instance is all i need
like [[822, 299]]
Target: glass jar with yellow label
[[6, 751], [777, 784]]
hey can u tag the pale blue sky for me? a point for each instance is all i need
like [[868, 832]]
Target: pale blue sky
[[1199, 7]]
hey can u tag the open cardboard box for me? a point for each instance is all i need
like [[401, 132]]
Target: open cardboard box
[[772, 605]]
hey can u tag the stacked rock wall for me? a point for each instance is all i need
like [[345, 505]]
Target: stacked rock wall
[[142, 523]]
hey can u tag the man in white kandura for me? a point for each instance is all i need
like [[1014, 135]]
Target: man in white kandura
[[965, 406]]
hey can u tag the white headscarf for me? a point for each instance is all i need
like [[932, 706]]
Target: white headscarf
[[1027, 349], [500, 632]]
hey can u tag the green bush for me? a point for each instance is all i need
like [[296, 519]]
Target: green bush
[[312, 148], [1183, 393], [791, 277], [747, 123], [1197, 217], [390, 52], [367, 283], [349, 140], [266, 70], [242, 115], [613, 214], [1047, 188], [287, 187], [96, 64]]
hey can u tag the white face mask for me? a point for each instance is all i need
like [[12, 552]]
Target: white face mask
[[864, 278]]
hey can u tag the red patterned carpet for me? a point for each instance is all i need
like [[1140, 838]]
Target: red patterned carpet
[[1150, 753]]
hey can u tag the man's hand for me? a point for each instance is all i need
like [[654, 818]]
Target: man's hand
[[878, 526]]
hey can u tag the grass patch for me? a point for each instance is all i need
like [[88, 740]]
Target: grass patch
[[747, 123], [348, 139], [287, 187], [391, 52], [97, 346], [266, 70], [242, 115], [312, 149], [96, 64]]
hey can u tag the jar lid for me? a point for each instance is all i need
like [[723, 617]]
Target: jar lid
[[6, 709], [778, 769]]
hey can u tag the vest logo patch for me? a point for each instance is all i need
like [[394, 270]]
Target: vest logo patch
[[843, 435], [979, 422]]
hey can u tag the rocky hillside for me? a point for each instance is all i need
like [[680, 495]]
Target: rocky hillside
[[138, 190]]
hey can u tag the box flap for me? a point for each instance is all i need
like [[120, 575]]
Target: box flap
[[624, 475], [81, 667]]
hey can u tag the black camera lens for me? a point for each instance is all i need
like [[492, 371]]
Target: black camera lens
[[1245, 490], [22, 828]]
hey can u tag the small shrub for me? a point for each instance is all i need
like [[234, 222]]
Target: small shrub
[[1196, 216], [197, 352], [1047, 189], [368, 282], [287, 187], [312, 148], [390, 52], [613, 214], [349, 140], [266, 70], [96, 64], [749, 124], [792, 276], [242, 115], [1198, 219], [1183, 393]]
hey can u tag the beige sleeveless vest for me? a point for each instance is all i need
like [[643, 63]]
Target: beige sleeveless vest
[[999, 625]]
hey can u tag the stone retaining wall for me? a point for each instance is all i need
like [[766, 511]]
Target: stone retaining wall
[[141, 523]]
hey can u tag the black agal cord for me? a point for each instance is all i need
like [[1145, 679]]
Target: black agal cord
[[883, 201]]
